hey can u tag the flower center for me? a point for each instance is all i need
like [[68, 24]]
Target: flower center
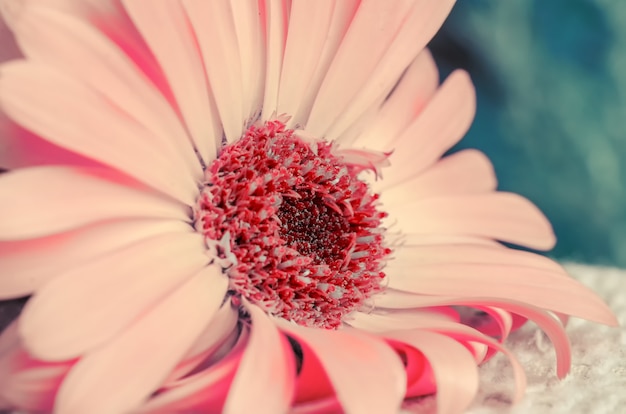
[[295, 230]]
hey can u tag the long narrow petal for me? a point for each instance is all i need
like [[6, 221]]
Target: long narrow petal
[[213, 24], [439, 126], [76, 47], [165, 28], [131, 364], [465, 172], [29, 264], [266, 372], [90, 304], [502, 216], [408, 99], [276, 24], [453, 365], [542, 288], [419, 25], [41, 99], [46, 200], [375, 387]]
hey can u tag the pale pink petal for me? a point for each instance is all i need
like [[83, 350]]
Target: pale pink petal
[[309, 22], [407, 260], [543, 288], [73, 198], [26, 382], [249, 26], [276, 14], [40, 99], [416, 87], [214, 27], [166, 28], [77, 48], [136, 362], [28, 264], [89, 304], [378, 31], [205, 391], [433, 239], [420, 24], [420, 379], [440, 125], [502, 216], [466, 172], [378, 321], [266, 372], [453, 365], [215, 336], [8, 47], [377, 386], [342, 14]]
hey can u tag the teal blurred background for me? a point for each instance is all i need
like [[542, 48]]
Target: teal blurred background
[[551, 81]]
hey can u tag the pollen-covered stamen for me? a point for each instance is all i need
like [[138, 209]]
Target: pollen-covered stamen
[[295, 229]]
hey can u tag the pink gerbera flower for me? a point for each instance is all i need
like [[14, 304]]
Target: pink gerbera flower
[[242, 206]]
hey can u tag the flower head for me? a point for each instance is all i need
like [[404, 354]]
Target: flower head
[[225, 204]]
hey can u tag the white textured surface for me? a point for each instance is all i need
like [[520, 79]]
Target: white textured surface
[[597, 382]]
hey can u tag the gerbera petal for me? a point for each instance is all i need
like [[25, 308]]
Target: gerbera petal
[[130, 363], [416, 87], [276, 15], [217, 40], [420, 25], [378, 386], [166, 29], [86, 306], [29, 264], [205, 391], [441, 124], [453, 366], [266, 372], [96, 195], [502, 216], [539, 287], [407, 260], [378, 28], [77, 48], [465, 172], [223, 326], [308, 25], [39, 98]]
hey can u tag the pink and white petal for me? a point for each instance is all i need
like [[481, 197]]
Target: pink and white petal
[[378, 321], [538, 287], [249, 26], [29, 264], [90, 304], [441, 124], [420, 378], [166, 29], [419, 25], [454, 368], [409, 97], [131, 363], [41, 201], [26, 382], [308, 25], [502, 216], [77, 48], [20, 148], [276, 14], [407, 260], [217, 334], [267, 370], [412, 239], [370, 33], [205, 391], [76, 117], [366, 373], [465, 172], [342, 16], [214, 27]]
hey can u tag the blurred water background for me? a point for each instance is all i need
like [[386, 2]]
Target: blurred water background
[[551, 82]]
